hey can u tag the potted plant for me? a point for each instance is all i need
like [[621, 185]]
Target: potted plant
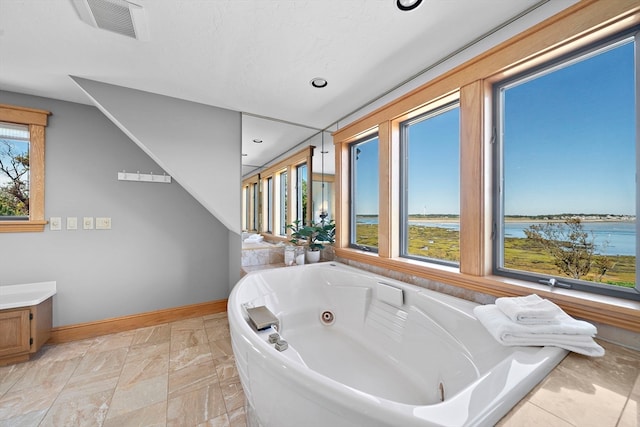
[[313, 236]]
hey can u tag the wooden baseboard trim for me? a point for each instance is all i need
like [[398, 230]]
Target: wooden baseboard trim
[[80, 331]]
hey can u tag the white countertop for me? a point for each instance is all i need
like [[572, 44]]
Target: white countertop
[[15, 296]]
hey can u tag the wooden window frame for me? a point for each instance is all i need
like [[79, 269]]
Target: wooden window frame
[[288, 165], [575, 27], [37, 121]]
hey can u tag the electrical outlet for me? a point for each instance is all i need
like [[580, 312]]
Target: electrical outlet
[[72, 223], [103, 223], [87, 223], [55, 223]]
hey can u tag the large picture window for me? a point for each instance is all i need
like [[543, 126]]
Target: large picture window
[[22, 147], [364, 193], [14, 171], [430, 186], [567, 165]]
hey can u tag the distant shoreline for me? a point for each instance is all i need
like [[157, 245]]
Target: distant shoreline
[[516, 220]]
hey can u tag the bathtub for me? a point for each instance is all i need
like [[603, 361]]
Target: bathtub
[[365, 350]]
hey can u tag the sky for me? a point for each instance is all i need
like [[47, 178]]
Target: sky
[[569, 146]]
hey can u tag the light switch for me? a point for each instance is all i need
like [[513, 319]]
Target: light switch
[[55, 223], [103, 223], [87, 223], [72, 223]]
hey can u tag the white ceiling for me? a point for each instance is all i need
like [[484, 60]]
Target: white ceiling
[[252, 56]]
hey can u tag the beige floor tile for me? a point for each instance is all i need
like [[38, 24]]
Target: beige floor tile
[[148, 416], [27, 419], [217, 332], [631, 414], [152, 335], [52, 375], [80, 386], [184, 338], [187, 324], [140, 369], [65, 351], [19, 402], [233, 394], [138, 395], [219, 421], [529, 415], [187, 356], [237, 417], [147, 350], [87, 410], [111, 342], [195, 407], [104, 362], [192, 377], [10, 374], [221, 348], [589, 391], [226, 368]]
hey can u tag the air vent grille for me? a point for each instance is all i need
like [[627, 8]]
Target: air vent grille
[[113, 16], [118, 16]]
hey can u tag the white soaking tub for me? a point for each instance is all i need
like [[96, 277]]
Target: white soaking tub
[[365, 350]]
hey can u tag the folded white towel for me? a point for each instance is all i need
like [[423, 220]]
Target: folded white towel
[[569, 333], [530, 309], [254, 238]]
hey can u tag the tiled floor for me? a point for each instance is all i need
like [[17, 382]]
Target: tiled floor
[[585, 392], [176, 374], [183, 374]]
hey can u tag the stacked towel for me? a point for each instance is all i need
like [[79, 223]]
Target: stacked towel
[[555, 328], [530, 310]]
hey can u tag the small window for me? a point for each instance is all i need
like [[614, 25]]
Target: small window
[[284, 202], [14, 171], [430, 149], [364, 194], [256, 205], [567, 159], [302, 193], [269, 206]]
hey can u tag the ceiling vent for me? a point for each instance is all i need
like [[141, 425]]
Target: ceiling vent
[[118, 16]]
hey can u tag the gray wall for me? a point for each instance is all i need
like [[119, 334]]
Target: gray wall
[[164, 249]]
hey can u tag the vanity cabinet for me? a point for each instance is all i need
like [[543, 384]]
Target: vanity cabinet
[[24, 330]]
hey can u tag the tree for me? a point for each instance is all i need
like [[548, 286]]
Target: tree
[[14, 192], [572, 248]]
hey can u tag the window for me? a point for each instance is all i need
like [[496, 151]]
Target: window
[[364, 194], [246, 207], [14, 171], [515, 157], [430, 150], [22, 142], [256, 206], [269, 205], [301, 193], [283, 198], [567, 150]]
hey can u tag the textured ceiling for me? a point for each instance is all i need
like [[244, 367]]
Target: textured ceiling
[[252, 56]]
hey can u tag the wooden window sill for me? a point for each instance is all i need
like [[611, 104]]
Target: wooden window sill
[[604, 309], [22, 226]]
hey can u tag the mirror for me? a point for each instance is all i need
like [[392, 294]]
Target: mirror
[[265, 143], [323, 179]]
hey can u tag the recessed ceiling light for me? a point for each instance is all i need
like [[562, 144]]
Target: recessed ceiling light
[[319, 82], [257, 141], [408, 4]]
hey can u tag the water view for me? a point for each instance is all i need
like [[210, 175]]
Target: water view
[[611, 237]]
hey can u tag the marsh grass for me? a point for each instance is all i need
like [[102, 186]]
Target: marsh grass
[[519, 253]]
